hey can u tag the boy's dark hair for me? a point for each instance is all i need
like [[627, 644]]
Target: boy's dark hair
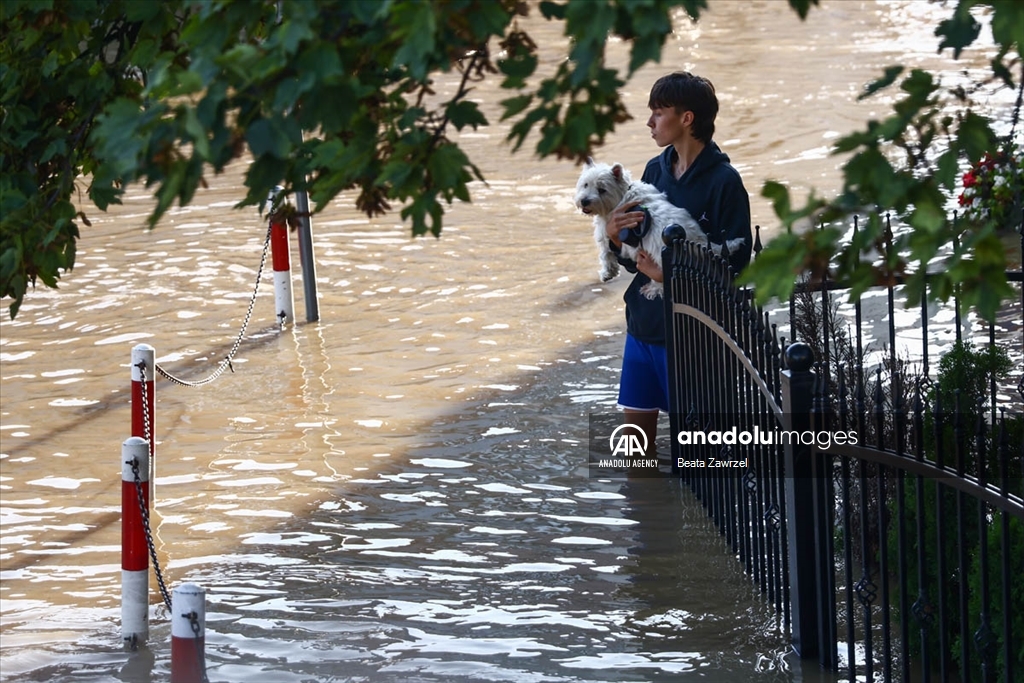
[[685, 92]]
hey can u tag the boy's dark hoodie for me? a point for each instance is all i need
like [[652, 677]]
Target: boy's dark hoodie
[[712, 191]]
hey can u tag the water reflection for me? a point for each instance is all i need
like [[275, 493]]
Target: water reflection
[[400, 492], [463, 563]]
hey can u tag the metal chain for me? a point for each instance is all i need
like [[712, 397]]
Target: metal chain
[[192, 617], [147, 428], [147, 434], [149, 536], [193, 622], [226, 363]]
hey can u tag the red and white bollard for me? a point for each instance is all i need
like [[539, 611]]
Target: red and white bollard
[[188, 634], [284, 300], [134, 548], [143, 410]]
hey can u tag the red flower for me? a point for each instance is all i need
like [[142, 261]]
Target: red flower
[[993, 189]]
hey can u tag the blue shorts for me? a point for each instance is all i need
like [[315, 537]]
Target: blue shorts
[[644, 381]]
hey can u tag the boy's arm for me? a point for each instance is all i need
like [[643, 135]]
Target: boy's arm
[[734, 222], [624, 261]]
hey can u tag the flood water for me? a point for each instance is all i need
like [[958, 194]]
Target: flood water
[[399, 492]]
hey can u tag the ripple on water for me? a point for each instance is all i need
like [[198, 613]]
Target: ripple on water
[[11, 357], [72, 402], [65, 483], [440, 463], [123, 338], [581, 540]]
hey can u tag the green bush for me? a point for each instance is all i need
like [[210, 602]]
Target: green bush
[[965, 439], [1015, 533]]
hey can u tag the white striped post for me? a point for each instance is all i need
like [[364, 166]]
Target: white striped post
[[188, 634], [143, 411], [284, 300], [134, 548]]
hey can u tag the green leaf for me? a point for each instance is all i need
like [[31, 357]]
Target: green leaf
[[272, 136], [959, 31], [415, 26], [802, 7], [580, 121], [1008, 23], [552, 10], [141, 11], [946, 168], [850, 142], [515, 105], [919, 84], [888, 78], [890, 128], [779, 196], [488, 19], [395, 173], [774, 272], [197, 132], [868, 172], [446, 167], [928, 215], [975, 136], [465, 113], [145, 51], [56, 147]]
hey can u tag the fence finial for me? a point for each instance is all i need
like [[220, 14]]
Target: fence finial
[[799, 357]]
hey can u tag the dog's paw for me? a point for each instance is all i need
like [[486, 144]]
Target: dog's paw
[[652, 290], [736, 244], [608, 271]]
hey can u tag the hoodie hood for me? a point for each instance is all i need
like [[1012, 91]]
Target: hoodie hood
[[709, 157]]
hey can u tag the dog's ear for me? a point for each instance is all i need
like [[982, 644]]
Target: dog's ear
[[590, 161], [618, 171]]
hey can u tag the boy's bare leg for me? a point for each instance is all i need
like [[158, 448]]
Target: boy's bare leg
[[647, 421]]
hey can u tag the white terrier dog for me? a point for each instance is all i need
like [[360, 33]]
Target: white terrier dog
[[601, 188]]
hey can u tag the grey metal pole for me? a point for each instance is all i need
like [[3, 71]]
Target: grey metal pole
[[306, 260]]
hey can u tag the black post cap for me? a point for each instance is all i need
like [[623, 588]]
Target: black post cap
[[799, 357]]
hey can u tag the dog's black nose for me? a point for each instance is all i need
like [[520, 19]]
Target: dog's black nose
[[584, 203]]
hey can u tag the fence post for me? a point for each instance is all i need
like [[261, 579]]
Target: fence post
[[188, 634], [797, 398], [144, 411], [306, 260], [284, 301], [668, 264], [134, 548]]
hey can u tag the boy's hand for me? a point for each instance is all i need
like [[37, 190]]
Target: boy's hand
[[621, 218], [646, 264]]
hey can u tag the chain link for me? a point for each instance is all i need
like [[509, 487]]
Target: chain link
[[148, 435], [147, 428], [193, 622], [149, 536], [226, 363]]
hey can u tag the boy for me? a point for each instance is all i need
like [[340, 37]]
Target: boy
[[697, 176]]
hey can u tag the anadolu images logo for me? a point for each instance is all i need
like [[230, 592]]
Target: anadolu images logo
[[629, 444]]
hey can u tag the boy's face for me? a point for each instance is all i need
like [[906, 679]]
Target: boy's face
[[668, 127]]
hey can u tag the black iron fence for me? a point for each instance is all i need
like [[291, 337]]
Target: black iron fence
[[870, 478]]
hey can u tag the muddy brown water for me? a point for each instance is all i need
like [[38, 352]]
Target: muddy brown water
[[399, 492]]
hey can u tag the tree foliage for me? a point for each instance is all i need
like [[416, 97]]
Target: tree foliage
[[328, 96], [909, 164]]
